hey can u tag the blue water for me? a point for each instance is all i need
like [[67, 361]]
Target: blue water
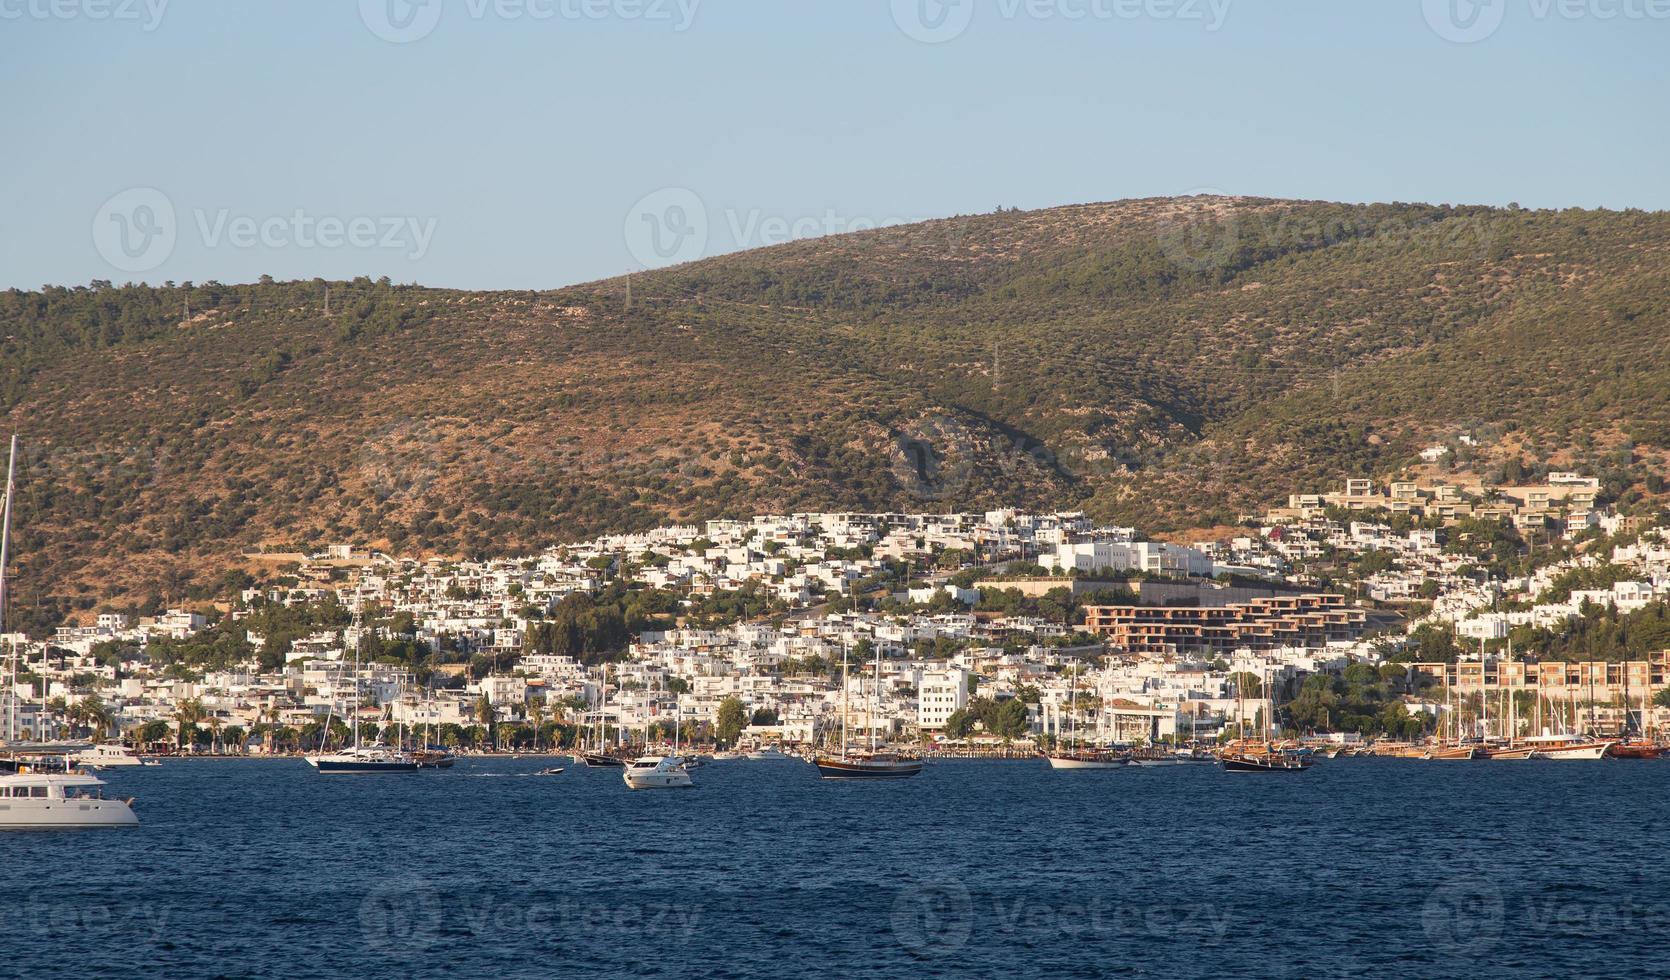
[[1002, 869]]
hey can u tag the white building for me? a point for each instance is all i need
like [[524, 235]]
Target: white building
[[940, 693]]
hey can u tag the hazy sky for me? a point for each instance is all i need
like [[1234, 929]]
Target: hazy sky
[[533, 143]]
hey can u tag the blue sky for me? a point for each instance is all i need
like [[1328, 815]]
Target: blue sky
[[534, 143]]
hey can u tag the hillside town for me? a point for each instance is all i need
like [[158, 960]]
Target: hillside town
[[953, 632]]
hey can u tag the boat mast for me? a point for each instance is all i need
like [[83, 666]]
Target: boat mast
[[1073, 709], [875, 702], [844, 651], [354, 716], [5, 554], [1484, 697], [1513, 709]]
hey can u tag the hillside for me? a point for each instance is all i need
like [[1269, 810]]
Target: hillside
[[1163, 362]]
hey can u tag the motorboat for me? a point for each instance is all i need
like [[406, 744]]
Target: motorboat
[[657, 772], [60, 801], [107, 756], [771, 755]]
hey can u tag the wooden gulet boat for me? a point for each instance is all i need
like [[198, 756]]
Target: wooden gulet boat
[[873, 764], [1264, 757]]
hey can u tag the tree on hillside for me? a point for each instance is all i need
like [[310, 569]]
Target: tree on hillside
[[730, 721]]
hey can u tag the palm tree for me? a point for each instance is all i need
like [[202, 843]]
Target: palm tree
[[95, 714], [186, 714], [537, 713], [272, 724]]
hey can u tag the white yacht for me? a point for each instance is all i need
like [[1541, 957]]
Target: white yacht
[[360, 759], [657, 772], [59, 801], [771, 755], [107, 755]]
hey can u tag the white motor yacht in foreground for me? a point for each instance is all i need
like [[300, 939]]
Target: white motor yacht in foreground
[[657, 772], [59, 801]]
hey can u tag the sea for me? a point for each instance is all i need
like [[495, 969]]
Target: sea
[[1361, 867]]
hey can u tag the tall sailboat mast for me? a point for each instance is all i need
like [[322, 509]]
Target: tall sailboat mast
[[5, 556], [844, 652]]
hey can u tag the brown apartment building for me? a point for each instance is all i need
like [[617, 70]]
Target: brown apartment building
[[1309, 620]]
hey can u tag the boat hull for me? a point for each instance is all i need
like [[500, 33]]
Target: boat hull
[[596, 761], [1084, 762], [867, 768], [65, 815], [1264, 763], [1573, 753], [666, 773], [1625, 750], [335, 767]]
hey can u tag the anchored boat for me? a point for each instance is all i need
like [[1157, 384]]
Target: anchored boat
[[60, 801], [874, 764]]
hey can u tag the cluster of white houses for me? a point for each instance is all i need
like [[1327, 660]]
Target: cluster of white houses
[[1150, 668]]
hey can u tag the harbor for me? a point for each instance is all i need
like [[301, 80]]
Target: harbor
[[491, 863]]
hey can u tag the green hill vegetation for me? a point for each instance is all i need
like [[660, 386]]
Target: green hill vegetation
[[1169, 363]]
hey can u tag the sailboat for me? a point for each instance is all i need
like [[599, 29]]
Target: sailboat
[[1637, 745], [45, 795], [1262, 757], [874, 764], [5, 556], [1459, 750], [361, 759], [598, 757], [1076, 756]]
